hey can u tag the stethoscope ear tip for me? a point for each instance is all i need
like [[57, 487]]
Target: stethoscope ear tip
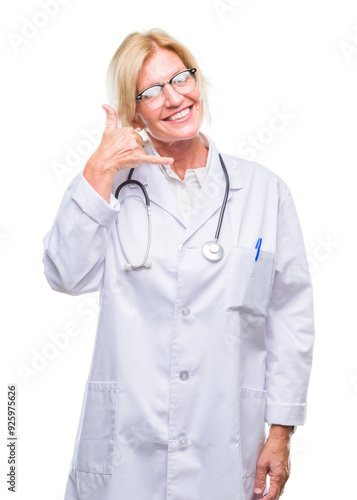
[[148, 265]]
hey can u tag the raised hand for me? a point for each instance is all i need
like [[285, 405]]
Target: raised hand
[[119, 149]]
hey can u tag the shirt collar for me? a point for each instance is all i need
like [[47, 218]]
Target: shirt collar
[[213, 167], [200, 172]]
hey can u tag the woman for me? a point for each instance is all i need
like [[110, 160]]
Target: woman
[[198, 345]]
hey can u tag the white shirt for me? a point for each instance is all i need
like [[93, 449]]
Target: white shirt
[[185, 191]]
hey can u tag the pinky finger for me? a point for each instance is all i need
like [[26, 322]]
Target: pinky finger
[[158, 160]]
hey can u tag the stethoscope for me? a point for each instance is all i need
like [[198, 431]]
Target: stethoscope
[[212, 250]]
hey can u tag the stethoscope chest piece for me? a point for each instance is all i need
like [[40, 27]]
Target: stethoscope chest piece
[[213, 251]]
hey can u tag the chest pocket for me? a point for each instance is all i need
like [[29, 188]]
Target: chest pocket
[[250, 281]]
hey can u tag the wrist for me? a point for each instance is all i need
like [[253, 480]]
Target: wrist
[[100, 180], [281, 430], [97, 166]]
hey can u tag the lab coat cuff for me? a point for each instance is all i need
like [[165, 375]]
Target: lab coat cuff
[[93, 204], [285, 414]]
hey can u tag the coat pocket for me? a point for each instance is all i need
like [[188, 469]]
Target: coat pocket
[[94, 448], [252, 427], [250, 281]]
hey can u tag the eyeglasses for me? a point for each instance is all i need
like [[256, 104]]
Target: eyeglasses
[[154, 96]]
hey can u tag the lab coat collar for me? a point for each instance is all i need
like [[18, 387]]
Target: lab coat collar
[[211, 194]]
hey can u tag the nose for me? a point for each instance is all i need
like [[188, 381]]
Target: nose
[[173, 98]]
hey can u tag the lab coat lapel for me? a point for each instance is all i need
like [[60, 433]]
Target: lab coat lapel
[[212, 192]]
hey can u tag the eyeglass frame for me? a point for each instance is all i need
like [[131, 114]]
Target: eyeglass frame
[[192, 71]]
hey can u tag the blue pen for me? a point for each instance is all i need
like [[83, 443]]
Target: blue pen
[[258, 245]]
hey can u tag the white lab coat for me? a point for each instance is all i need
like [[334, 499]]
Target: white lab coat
[[191, 358]]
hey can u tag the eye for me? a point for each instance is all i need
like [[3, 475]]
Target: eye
[[181, 79], [151, 93]]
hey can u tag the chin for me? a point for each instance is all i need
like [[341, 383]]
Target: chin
[[182, 134]]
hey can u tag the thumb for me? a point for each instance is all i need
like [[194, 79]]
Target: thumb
[[260, 481], [112, 121]]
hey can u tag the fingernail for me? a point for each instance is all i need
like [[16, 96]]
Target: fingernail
[[257, 491]]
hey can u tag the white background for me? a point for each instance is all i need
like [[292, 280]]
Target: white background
[[260, 57]]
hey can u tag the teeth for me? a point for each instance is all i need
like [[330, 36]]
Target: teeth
[[183, 113]]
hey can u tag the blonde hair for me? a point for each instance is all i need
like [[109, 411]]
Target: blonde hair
[[127, 62]]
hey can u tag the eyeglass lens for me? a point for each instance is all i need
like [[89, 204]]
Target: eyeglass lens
[[183, 83]]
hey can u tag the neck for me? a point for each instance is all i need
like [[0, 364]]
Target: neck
[[190, 153]]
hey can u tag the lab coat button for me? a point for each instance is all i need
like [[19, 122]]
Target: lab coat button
[[184, 375], [183, 441], [179, 248], [186, 311]]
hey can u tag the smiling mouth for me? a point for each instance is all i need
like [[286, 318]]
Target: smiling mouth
[[179, 116]]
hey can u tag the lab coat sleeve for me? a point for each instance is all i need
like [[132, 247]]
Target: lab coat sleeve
[[289, 324], [75, 247]]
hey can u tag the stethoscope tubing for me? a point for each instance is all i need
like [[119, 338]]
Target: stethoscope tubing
[[209, 255], [133, 181], [224, 203]]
